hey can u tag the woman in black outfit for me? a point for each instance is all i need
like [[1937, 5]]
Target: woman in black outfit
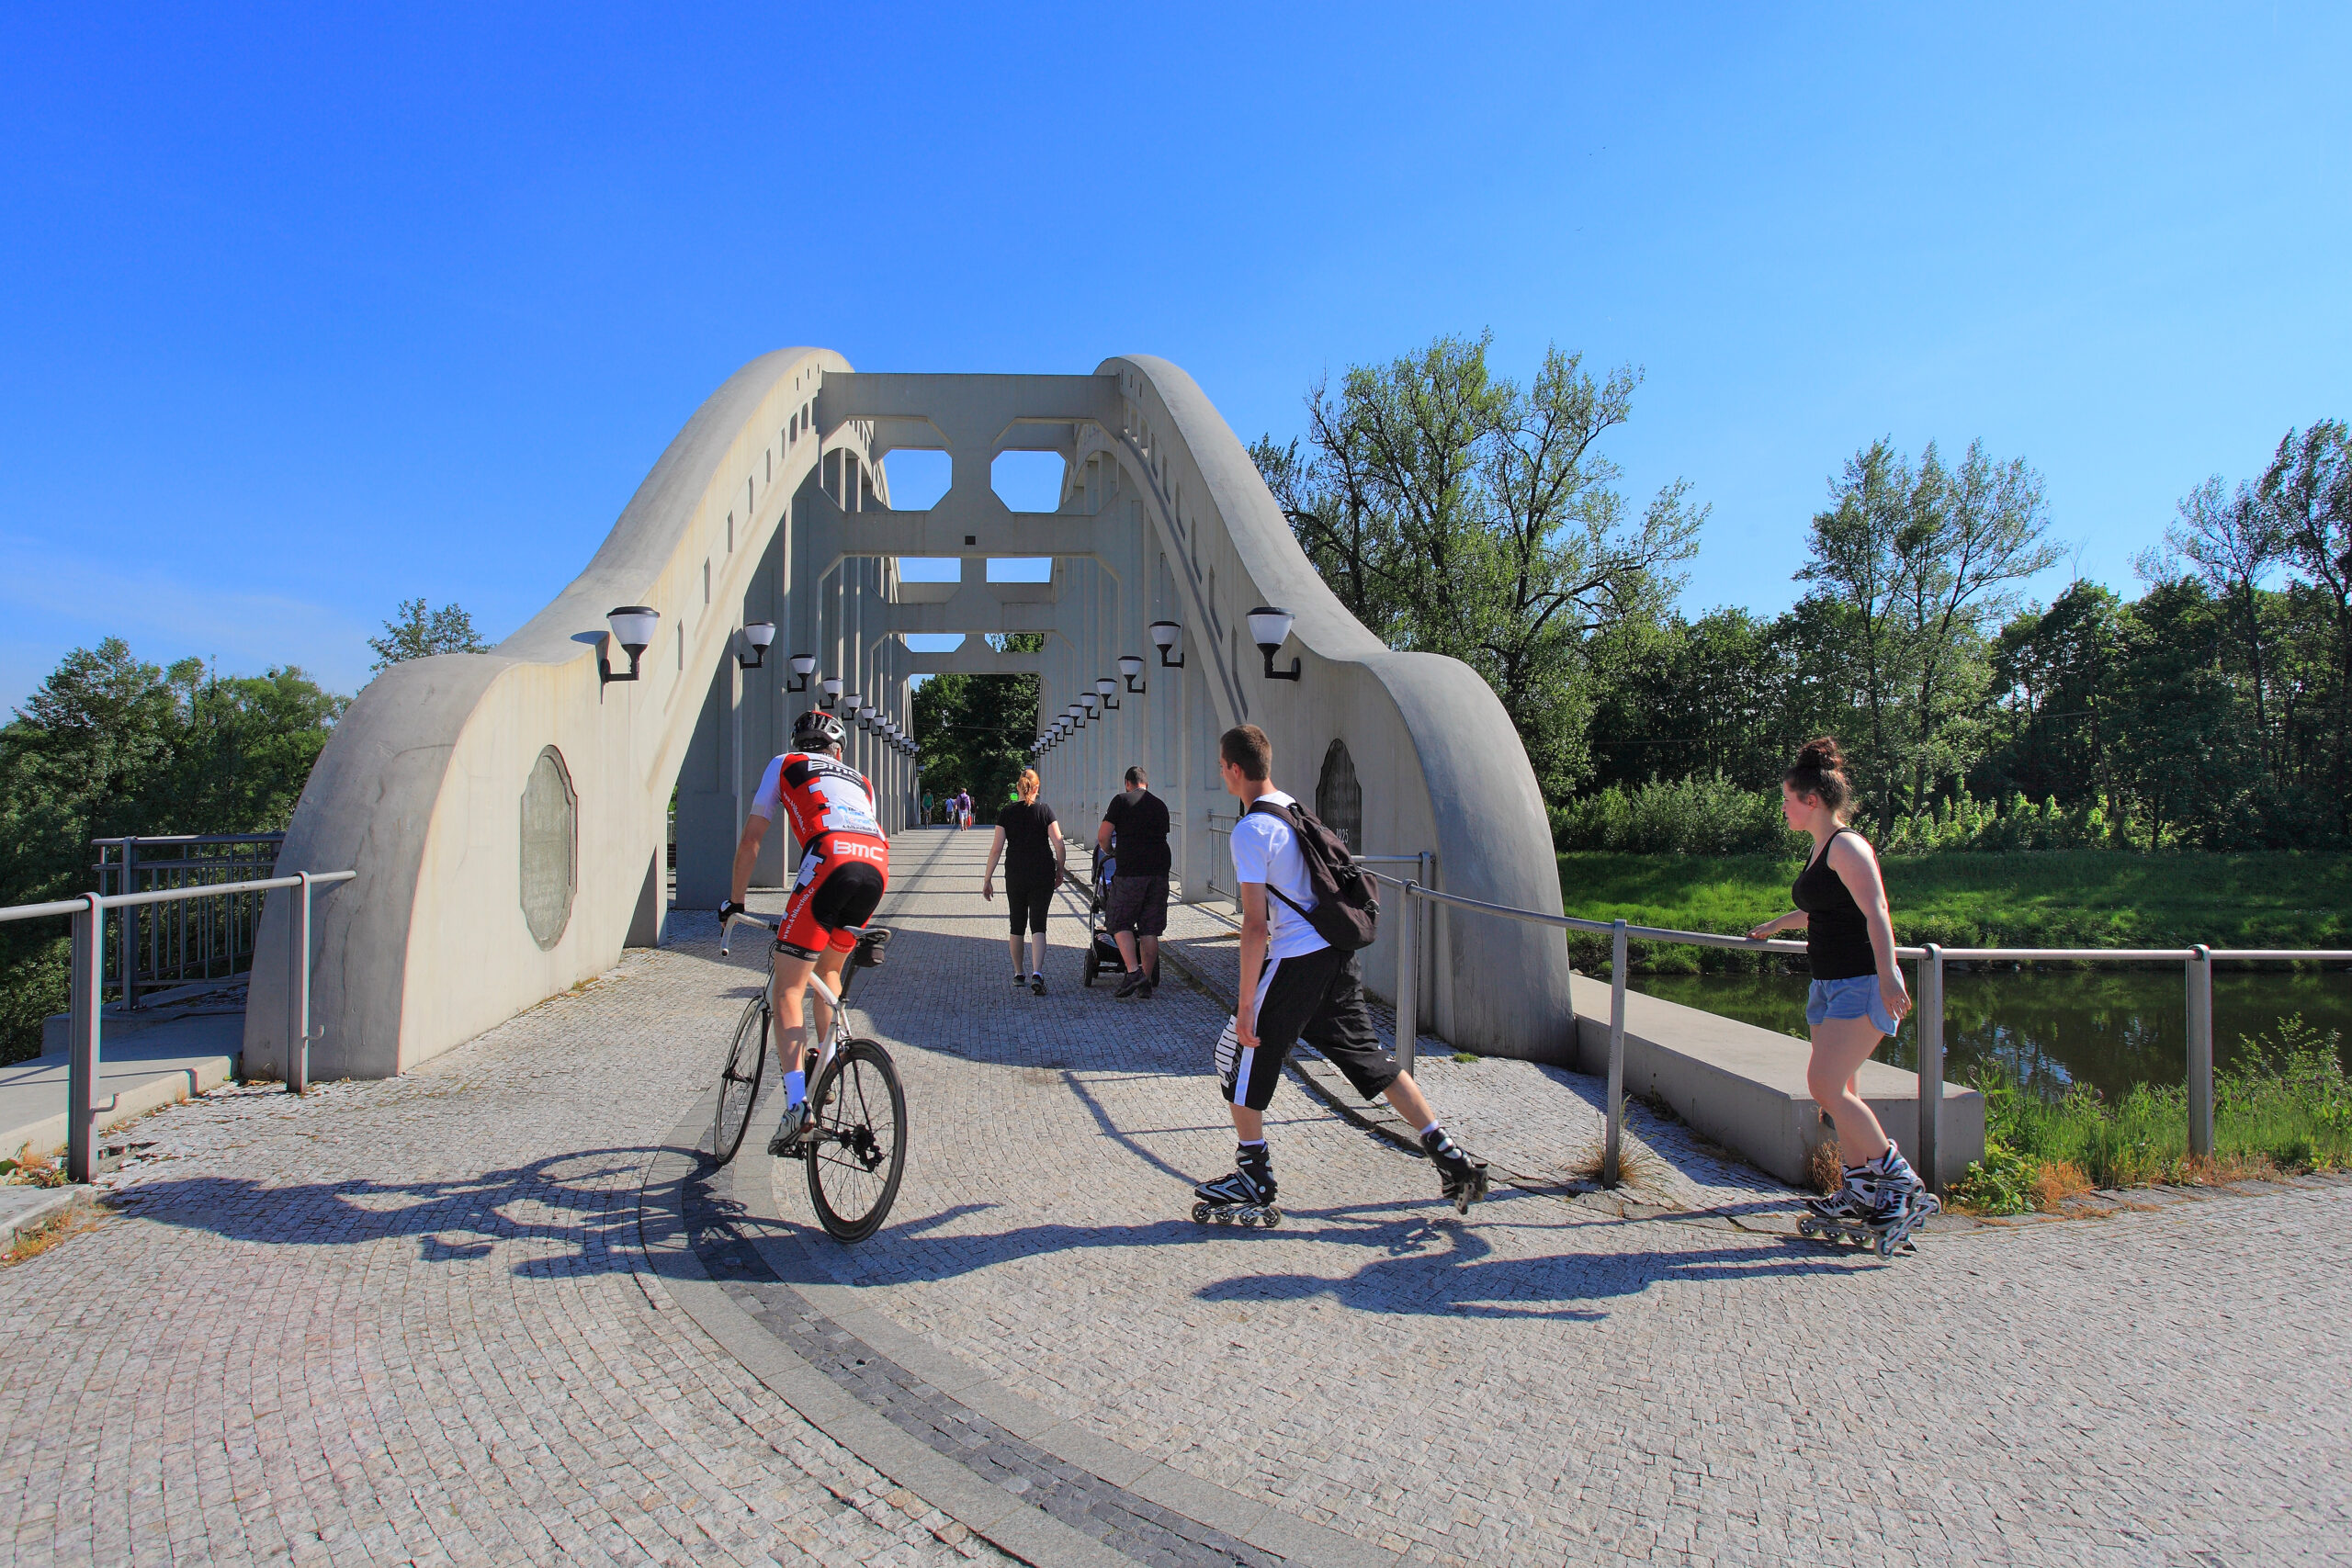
[[1857, 995], [1031, 842]]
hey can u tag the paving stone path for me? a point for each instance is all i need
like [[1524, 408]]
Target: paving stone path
[[413, 1320]]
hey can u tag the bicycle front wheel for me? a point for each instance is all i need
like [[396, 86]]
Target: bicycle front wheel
[[857, 1142], [739, 1081]]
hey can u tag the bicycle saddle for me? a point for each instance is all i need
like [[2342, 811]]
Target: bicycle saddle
[[871, 941]]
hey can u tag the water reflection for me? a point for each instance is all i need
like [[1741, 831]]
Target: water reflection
[[2052, 1028]]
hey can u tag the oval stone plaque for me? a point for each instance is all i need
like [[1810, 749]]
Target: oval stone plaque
[[1339, 798], [551, 848]]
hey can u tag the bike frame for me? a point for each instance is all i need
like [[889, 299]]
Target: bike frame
[[834, 1037]]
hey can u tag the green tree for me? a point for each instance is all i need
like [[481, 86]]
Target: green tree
[[1456, 513], [111, 745], [1925, 558], [975, 730], [2307, 490], [416, 631]]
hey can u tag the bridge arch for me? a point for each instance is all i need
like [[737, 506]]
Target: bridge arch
[[772, 504]]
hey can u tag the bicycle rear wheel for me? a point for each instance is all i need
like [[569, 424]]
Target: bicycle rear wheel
[[739, 1081], [858, 1145]]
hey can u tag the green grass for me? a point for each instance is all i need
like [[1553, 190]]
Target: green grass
[[2287, 1107], [1960, 898]]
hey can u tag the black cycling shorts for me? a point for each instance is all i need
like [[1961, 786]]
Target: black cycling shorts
[[1029, 898], [830, 901]]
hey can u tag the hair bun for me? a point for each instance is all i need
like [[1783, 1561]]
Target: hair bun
[[1822, 754]]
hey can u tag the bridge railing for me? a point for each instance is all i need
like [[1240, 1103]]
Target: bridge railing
[[188, 939], [88, 987], [2197, 963]]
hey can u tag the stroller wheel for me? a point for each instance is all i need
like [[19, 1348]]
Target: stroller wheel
[[1091, 962]]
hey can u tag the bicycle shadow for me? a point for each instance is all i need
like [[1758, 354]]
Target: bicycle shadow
[[572, 1214]]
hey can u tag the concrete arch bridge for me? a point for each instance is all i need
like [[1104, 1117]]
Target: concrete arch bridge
[[506, 811]]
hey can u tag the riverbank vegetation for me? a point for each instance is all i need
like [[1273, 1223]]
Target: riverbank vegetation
[[1971, 898], [2285, 1107]]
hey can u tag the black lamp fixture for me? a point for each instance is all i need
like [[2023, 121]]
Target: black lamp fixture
[[866, 716], [804, 665], [759, 633], [1130, 666], [849, 707], [832, 685], [1170, 636], [1269, 626], [633, 627], [1093, 704], [1105, 688]]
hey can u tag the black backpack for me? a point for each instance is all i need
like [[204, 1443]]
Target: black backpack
[[1347, 908]]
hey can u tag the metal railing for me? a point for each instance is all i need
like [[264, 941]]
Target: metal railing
[[88, 971], [157, 946], [1928, 1003]]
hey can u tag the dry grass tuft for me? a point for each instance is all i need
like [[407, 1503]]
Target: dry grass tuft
[[2056, 1182], [31, 1244], [1827, 1174]]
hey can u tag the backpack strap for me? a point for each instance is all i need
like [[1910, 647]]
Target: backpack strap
[[1271, 809]]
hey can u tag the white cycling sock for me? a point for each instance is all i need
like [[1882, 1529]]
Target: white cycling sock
[[796, 1088]]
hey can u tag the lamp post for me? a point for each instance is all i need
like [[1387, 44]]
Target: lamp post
[[633, 627], [1269, 626], [831, 686], [1131, 667], [1104, 689], [1169, 638], [803, 666], [759, 633]]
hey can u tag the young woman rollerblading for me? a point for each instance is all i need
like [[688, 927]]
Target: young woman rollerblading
[[1296, 984], [1856, 998]]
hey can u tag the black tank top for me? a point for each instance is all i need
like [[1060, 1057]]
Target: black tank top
[[1837, 938]]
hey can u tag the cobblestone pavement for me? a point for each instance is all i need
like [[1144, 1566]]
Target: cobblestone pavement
[[1536, 1382], [409, 1321]]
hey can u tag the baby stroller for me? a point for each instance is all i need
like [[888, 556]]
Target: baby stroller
[[1101, 949]]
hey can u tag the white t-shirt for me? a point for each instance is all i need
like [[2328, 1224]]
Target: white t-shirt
[[1266, 849]]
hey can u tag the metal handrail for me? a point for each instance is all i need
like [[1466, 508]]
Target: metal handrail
[[2196, 960], [88, 971]]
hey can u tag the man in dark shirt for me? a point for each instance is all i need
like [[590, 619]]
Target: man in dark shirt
[[1135, 829]]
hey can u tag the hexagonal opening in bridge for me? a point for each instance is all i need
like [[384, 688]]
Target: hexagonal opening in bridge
[[1028, 481], [917, 477]]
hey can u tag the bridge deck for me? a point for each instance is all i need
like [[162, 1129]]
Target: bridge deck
[[467, 1315]]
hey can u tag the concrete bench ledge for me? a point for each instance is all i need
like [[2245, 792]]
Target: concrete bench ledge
[[1744, 1086]]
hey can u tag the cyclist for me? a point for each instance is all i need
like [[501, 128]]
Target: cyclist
[[844, 866]]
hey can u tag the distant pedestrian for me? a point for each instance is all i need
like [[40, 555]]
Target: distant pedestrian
[[1136, 911], [926, 806], [1034, 855], [1856, 995]]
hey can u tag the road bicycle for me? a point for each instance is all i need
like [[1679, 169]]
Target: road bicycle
[[854, 1143]]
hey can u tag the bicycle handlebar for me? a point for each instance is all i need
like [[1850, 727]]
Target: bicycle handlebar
[[730, 923]]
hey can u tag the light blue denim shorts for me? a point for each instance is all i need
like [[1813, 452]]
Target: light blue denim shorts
[[1853, 997]]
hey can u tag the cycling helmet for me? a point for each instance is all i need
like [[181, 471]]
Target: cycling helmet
[[817, 730]]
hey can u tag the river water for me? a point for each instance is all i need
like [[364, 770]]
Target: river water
[[2054, 1028]]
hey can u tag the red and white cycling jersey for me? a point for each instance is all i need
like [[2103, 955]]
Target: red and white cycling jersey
[[820, 795]]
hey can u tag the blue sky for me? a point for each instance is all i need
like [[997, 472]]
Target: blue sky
[[310, 309]]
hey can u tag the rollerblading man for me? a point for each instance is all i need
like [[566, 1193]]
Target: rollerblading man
[[1297, 983]]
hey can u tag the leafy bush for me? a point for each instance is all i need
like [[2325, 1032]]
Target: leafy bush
[[1698, 815]]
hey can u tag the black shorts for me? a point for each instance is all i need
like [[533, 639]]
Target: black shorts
[[1138, 904], [1318, 998], [828, 899], [1028, 898]]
